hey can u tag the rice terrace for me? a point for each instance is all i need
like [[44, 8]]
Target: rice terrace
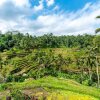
[[49, 49]]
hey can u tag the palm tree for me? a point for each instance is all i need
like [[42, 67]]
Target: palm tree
[[97, 71], [80, 61], [94, 62], [90, 64], [96, 51]]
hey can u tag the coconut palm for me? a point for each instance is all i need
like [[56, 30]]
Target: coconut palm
[[96, 50], [93, 56], [80, 62]]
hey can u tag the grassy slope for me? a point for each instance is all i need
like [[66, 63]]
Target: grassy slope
[[61, 88]]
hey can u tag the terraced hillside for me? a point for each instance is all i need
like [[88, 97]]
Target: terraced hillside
[[49, 67]]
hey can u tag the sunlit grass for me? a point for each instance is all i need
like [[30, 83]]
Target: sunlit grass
[[58, 88]]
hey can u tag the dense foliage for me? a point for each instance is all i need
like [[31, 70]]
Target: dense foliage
[[27, 42]]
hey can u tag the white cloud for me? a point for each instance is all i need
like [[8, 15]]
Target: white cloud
[[16, 2], [21, 3], [82, 21], [56, 7], [9, 11], [15, 16], [2, 1], [50, 2], [39, 7]]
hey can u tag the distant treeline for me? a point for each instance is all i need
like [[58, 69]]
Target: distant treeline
[[28, 42]]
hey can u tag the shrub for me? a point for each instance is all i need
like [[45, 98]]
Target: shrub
[[17, 95]]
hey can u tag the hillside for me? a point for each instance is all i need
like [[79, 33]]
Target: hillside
[[50, 88], [27, 62]]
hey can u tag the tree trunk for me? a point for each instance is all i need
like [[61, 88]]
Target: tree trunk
[[97, 71], [90, 74], [81, 75]]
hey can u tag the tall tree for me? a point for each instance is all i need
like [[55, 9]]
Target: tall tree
[[96, 52]]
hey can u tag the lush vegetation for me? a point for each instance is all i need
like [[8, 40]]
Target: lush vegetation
[[51, 88], [27, 42], [26, 57]]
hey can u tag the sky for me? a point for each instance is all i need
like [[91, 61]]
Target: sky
[[60, 17]]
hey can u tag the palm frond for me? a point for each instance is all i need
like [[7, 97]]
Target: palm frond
[[97, 30], [98, 17]]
